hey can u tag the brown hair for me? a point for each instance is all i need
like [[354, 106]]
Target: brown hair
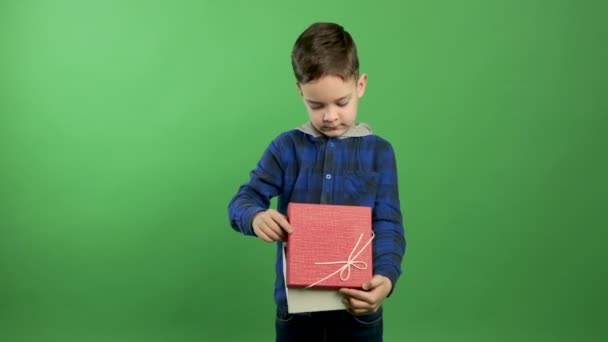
[[324, 49]]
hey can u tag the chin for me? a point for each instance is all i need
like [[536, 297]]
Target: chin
[[334, 133]]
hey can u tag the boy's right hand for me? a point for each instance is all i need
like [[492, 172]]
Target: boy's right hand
[[270, 225]]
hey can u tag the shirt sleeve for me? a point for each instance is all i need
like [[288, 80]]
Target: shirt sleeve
[[265, 182], [389, 242]]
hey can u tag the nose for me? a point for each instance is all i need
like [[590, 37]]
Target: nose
[[330, 115]]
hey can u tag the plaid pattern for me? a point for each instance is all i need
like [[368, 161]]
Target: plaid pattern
[[299, 167]]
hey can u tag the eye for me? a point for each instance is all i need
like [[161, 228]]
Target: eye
[[342, 104], [316, 106]]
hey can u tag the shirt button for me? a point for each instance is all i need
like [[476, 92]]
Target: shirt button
[[328, 176], [331, 144]]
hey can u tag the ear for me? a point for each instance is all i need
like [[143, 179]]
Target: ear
[[361, 84], [299, 88]]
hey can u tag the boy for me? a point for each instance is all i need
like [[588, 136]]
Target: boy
[[329, 160]]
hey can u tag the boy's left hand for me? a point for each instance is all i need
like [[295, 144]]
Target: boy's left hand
[[368, 300]]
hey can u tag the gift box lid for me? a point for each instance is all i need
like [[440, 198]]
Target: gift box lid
[[330, 246]]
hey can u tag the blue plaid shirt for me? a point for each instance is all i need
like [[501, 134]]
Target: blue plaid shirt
[[305, 167]]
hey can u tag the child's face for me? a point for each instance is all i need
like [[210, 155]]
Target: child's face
[[332, 102]]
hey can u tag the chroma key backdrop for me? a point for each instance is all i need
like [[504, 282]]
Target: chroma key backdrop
[[126, 126]]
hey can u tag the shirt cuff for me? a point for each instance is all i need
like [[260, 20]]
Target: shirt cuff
[[247, 220]]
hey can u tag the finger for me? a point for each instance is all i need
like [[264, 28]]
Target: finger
[[267, 223], [372, 283], [272, 225], [360, 312], [260, 233], [358, 294], [376, 281], [358, 305], [282, 221], [269, 226], [269, 232]]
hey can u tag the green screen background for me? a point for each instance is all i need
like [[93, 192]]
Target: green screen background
[[126, 127]]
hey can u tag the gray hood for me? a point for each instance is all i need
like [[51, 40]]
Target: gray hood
[[358, 130]]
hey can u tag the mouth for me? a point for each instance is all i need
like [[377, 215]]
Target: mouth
[[330, 128]]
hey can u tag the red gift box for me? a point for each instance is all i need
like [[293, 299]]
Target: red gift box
[[330, 246]]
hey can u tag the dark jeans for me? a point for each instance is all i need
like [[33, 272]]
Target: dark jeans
[[328, 326]]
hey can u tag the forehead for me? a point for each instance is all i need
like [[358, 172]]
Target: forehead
[[327, 88]]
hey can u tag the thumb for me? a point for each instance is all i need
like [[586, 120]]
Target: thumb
[[372, 283]]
